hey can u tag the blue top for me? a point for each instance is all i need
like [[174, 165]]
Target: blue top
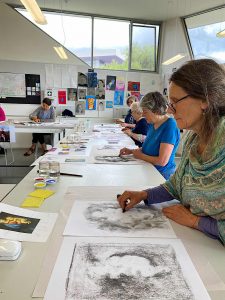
[[44, 115], [129, 118], [166, 133], [140, 128]]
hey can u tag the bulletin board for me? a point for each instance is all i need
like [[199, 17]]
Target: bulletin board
[[20, 88]]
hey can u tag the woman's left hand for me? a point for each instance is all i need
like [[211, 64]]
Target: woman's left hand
[[181, 215]]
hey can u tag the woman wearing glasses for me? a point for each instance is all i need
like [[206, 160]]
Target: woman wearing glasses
[[197, 101], [163, 136]]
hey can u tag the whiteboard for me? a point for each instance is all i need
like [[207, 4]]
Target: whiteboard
[[12, 85]]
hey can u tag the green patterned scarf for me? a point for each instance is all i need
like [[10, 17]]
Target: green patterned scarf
[[199, 182]]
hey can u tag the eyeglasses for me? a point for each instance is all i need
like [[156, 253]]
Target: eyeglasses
[[172, 106]]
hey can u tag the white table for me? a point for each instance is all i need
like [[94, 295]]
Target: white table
[[31, 272]]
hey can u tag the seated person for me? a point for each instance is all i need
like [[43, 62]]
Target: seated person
[[163, 136], [197, 102], [129, 120], [44, 113], [139, 132], [2, 115]]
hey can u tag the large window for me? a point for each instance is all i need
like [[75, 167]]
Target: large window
[[111, 44], [102, 42], [143, 51], [202, 30]]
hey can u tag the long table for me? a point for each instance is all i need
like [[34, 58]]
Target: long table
[[29, 275]]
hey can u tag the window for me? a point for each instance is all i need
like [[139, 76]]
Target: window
[[143, 51], [111, 44], [111, 40], [202, 30]]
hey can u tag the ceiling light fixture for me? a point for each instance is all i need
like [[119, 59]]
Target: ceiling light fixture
[[221, 34], [61, 52], [35, 11], [173, 59]]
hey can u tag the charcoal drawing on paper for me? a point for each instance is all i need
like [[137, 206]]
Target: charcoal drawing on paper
[[125, 271]]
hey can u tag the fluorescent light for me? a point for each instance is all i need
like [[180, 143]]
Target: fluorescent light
[[221, 34], [61, 53], [173, 59], [35, 11]]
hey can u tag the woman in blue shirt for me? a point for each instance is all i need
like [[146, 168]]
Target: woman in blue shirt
[[163, 136], [139, 132], [129, 121], [44, 113]]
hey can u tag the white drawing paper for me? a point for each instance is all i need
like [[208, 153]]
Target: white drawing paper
[[25, 225], [136, 269], [105, 218]]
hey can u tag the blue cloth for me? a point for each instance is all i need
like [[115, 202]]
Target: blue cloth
[[140, 128], [129, 118], [167, 133]]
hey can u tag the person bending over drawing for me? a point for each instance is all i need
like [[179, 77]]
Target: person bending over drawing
[[163, 136], [44, 113], [197, 101]]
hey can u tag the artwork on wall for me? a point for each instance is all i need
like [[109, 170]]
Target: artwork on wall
[[100, 93], [135, 269], [80, 107], [82, 79], [105, 218], [90, 103], [109, 104], [62, 97], [120, 84], [101, 105], [118, 97], [101, 84], [91, 91], [82, 93], [71, 94], [110, 83], [133, 86]]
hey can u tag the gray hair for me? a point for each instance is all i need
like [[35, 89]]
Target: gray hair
[[136, 108], [155, 102]]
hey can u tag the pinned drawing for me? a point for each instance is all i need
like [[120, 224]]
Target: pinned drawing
[[105, 218], [125, 271]]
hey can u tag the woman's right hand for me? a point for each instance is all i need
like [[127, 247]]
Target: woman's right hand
[[134, 198], [125, 151]]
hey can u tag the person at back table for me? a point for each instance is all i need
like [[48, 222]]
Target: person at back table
[[163, 136], [139, 132], [44, 113], [197, 101], [129, 121]]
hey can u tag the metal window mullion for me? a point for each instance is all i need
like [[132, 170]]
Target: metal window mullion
[[92, 42], [130, 45]]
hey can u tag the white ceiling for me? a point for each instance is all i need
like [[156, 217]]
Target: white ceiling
[[155, 10]]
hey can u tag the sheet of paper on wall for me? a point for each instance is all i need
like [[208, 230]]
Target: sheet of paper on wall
[[105, 218], [134, 269], [25, 225]]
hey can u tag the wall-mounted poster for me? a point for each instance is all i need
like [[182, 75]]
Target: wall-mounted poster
[[90, 103], [101, 105], [133, 86], [109, 104], [71, 94], [120, 84], [91, 91], [82, 79], [110, 83], [62, 97], [101, 84], [100, 93], [82, 93], [80, 108], [118, 97]]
